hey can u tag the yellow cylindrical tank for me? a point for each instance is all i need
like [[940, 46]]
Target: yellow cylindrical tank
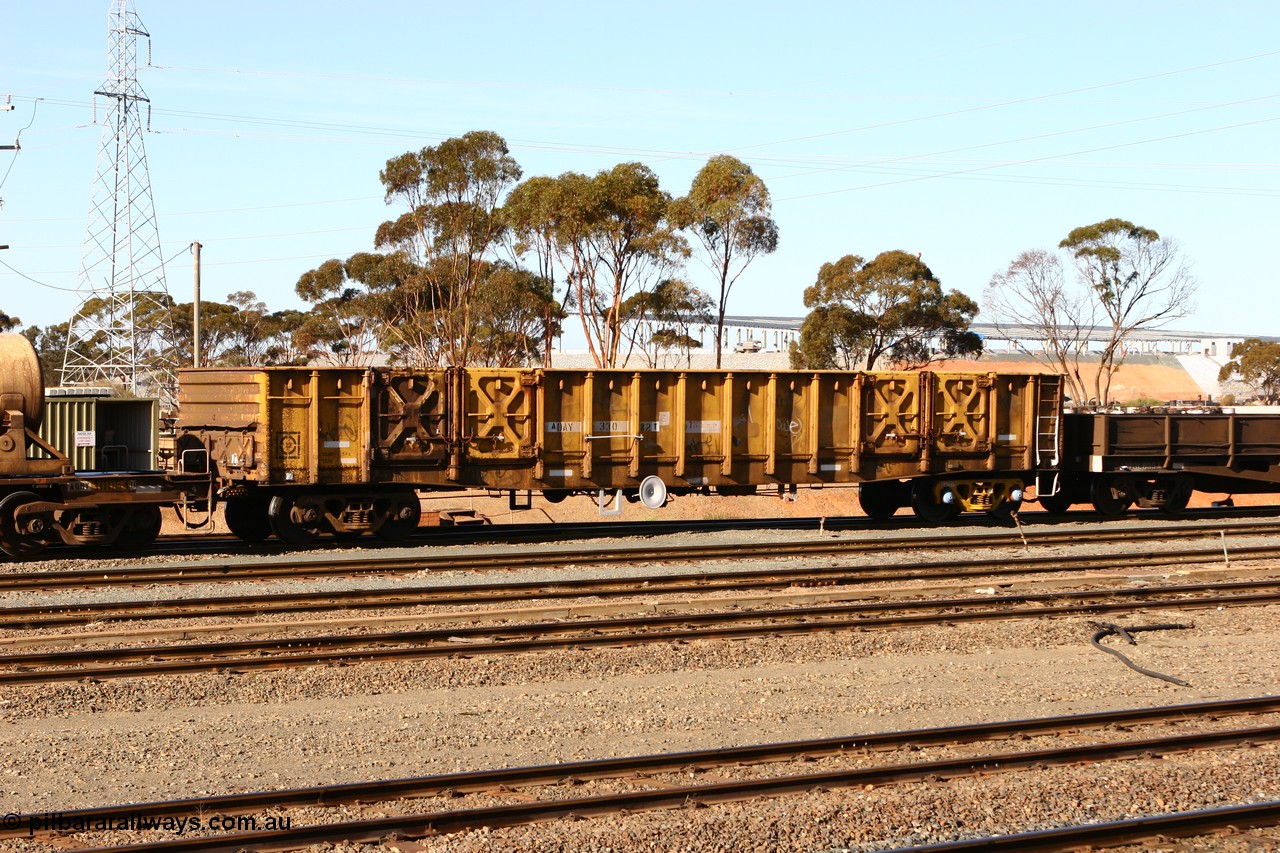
[[21, 378]]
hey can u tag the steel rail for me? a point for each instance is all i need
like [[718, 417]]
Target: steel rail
[[606, 768], [1115, 833], [675, 627], [445, 822], [80, 613], [368, 564], [469, 534]]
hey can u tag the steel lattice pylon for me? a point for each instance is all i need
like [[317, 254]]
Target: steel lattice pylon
[[122, 331]]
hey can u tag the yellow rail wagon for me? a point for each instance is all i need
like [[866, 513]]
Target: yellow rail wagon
[[301, 452]]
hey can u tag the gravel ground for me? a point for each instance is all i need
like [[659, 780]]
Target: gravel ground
[[80, 745]]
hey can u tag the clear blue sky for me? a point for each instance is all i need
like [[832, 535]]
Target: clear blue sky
[[966, 131]]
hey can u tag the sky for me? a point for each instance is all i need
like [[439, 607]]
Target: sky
[[967, 132]]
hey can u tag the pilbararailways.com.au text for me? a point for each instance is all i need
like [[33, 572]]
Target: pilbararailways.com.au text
[[138, 822]]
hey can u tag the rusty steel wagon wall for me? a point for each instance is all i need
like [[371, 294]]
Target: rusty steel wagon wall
[[1242, 447], [750, 428], [503, 428], [279, 425]]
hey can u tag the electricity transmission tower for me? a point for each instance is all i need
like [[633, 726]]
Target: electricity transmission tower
[[122, 332]]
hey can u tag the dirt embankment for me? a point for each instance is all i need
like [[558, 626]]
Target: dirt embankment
[[1151, 378]]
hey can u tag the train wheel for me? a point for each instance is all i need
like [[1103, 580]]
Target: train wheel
[[142, 526], [20, 538], [247, 519], [406, 512], [296, 522], [1176, 502], [881, 500], [1174, 492], [1005, 510], [928, 508], [1110, 498], [1055, 504]]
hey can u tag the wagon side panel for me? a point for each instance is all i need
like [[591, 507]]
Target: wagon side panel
[[497, 441], [226, 410], [892, 410], [411, 426]]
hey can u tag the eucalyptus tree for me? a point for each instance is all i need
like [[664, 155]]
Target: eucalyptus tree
[[50, 343], [239, 332], [343, 326], [610, 237], [728, 210], [1033, 308], [670, 311], [217, 321], [1127, 278], [1139, 279], [284, 344], [1256, 362], [453, 193], [517, 317], [890, 309]]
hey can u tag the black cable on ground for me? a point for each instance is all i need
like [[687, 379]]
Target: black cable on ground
[[1107, 629]]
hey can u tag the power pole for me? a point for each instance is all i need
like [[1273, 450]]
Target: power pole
[[195, 308], [122, 332], [8, 108]]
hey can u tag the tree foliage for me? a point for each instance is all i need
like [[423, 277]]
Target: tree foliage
[[670, 311], [343, 325], [150, 370], [1030, 301], [1127, 278], [441, 245], [516, 317], [240, 332], [610, 237], [7, 323], [891, 309], [50, 343], [728, 210], [1257, 363]]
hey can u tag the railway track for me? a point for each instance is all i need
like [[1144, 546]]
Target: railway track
[[700, 583], [651, 782], [676, 627], [365, 564], [472, 534]]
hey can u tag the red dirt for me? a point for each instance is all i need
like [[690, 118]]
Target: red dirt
[[1131, 382]]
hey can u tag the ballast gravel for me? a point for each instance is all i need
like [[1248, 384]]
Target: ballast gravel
[[116, 742]]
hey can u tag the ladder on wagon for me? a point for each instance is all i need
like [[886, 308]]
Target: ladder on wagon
[[1048, 430]]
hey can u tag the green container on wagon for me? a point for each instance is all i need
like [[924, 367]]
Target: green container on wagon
[[100, 432]]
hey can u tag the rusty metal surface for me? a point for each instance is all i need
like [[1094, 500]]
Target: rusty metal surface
[[21, 379], [605, 429], [1247, 445]]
